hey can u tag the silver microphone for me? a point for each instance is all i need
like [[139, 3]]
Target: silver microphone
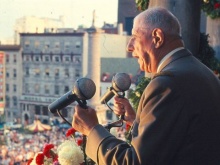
[[83, 89], [120, 83]]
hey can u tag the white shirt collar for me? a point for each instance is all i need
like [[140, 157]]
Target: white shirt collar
[[167, 56]]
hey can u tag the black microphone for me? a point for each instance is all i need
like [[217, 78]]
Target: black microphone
[[83, 89], [120, 83]]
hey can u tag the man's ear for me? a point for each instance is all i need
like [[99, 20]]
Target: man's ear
[[158, 37]]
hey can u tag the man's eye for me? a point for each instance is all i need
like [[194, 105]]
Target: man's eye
[[133, 36]]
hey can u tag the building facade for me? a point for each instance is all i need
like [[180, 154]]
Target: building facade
[[52, 62], [13, 81]]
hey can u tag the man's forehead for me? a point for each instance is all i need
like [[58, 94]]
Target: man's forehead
[[138, 24], [138, 29]]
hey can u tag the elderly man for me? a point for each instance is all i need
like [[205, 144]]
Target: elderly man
[[178, 117]]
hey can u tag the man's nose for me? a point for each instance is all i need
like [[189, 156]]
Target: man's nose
[[130, 47]]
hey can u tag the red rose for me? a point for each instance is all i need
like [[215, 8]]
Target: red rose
[[40, 159], [46, 150], [217, 5], [70, 132], [79, 142], [29, 161], [127, 127]]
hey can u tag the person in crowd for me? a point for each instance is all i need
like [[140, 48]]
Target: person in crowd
[[178, 117]]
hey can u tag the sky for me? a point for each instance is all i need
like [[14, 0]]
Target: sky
[[76, 12]]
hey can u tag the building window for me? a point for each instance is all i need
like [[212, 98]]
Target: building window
[[77, 74], [47, 73], [78, 44], [47, 58], [66, 72], [45, 111], [27, 43], [27, 58], [57, 44], [15, 102], [7, 74], [77, 60], [7, 88], [67, 45], [56, 58], [37, 110], [15, 58], [57, 90], [66, 58], [46, 89], [37, 88], [7, 58], [36, 44], [56, 72], [66, 89], [37, 72], [14, 73], [27, 71], [47, 45], [7, 101], [14, 88], [26, 88], [37, 58]]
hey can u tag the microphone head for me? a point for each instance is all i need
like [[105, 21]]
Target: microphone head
[[121, 82], [84, 88]]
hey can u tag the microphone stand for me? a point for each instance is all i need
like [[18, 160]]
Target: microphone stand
[[119, 122]]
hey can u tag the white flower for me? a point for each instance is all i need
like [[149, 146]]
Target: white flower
[[70, 153]]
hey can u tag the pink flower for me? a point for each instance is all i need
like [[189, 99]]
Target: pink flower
[[70, 131]]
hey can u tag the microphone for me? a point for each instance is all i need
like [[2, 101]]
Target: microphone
[[120, 83], [83, 89]]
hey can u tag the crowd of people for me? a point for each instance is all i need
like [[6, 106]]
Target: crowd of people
[[18, 148]]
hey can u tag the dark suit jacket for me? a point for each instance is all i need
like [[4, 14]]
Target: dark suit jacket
[[177, 122]]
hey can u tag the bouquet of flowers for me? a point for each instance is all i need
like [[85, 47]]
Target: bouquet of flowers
[[69, 152]]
